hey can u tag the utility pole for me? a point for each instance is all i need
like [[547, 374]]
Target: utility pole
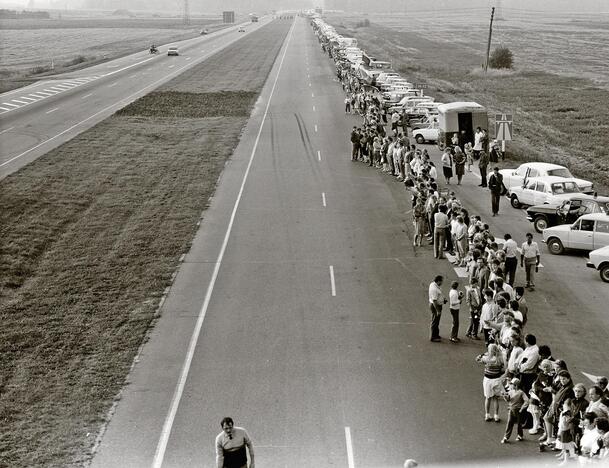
[[186, 12], [490, 34]]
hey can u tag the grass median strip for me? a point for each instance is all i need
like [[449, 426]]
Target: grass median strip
[[90, 235]]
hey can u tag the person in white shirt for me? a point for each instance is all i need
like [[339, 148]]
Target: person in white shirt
[[231, 445], [461, 240], [488, 314], [528, 362], [436, 301], [529, 259], [511, 258], [454, 300]]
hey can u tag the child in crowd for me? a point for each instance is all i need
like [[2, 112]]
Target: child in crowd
[[517, 400], [565, 442]]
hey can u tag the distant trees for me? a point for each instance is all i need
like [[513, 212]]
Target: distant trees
[[501, 57], [12, 14], [362, 24]]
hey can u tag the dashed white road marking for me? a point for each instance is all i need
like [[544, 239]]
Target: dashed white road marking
[[20, 102], [318, 155], [323, 198], [9, 104], [37, 95], [350, 459], [5, 109], [52, 110], [315, 127], [6, 130], [43, 93], [57, 89], [52, 91], [29, 98], [113, 84], [86, 96], [312, 95], [171, 66], [332, 282], [313, 108], [187, 58]]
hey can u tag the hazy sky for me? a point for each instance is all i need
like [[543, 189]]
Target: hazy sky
[[580, 6]]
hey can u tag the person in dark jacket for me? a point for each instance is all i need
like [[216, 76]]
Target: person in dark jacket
[[482, 165], [495, 184]]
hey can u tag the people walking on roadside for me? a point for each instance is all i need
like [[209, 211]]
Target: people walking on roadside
[[447, 165], [492, 381], [440, 224], [473, 298], [232, 445], [459, 160], [511, 258], [530, 259], [482, 166], [355, 144], [455, 297], [436, 301], [347, 105], [517, 401], [495, 184]]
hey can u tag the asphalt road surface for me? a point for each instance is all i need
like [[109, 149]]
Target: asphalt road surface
[[301, 309], [38, 118]]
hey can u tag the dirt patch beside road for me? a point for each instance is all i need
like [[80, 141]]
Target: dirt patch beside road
[[90, 235]]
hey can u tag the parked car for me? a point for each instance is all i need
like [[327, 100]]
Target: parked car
[[241, 29], [539, 190], [589, 232], [424, 122], [516, 177], [429, 134], [204, 32], [599, 259], [544, 216], [172, 51]]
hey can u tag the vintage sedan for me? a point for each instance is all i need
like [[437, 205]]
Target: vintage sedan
[[539, 190], [589, 232], [599, 259], [544, 216], [517, 177]]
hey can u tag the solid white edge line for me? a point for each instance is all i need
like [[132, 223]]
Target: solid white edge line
[[20, 102], [6, 130], [350, 460], [86, 96], [177, 396], [323, 198], [52, 110], [332, 283]]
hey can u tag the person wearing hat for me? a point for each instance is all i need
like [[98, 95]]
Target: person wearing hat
[[517, 401]]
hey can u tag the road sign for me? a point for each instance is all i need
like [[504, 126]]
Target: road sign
[[420, 86], [503, 127]]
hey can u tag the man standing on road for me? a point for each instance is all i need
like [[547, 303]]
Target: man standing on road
[[530, 260], [440, 226], [436, 301], [495, 184], [231, 444], [511, 258], [355, 137], [482, 165]]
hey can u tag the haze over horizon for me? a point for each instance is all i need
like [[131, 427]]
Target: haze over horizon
[[366, 6]]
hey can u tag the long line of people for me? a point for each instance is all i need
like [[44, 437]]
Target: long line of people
[[538, 389]]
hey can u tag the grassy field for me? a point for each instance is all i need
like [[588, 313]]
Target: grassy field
[[90, 235], [557, 117], [29, 47]]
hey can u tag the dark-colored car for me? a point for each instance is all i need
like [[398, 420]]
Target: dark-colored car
[[544, 216]]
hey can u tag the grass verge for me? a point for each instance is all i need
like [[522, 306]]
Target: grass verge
[[557, 119], [90, 235]]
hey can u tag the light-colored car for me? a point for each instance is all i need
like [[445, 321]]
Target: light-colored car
[[172, 51], [599, 259], [429, 134], [241, 29], [516, 177], [383, 77], [540, 190], [589, 232]]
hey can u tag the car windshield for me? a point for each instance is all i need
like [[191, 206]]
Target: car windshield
[[564, 187], [562, 172]]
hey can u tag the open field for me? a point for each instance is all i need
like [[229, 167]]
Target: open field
[[90, 235], [557, 118], [30, 48]]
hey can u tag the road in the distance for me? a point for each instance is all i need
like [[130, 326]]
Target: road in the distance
[[38, 118], [315, 330]]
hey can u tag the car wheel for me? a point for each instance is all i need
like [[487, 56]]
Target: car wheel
[[555, 246], [604, 270], [420, 139], [540, 223], [514, 201]]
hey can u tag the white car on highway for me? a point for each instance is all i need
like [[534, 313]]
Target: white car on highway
[[540, 190], [599, 259], [516, 177], [172, 51], [589, 232]]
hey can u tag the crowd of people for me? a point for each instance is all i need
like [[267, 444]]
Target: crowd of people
[[537, 388]]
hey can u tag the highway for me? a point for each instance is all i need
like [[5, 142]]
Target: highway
[[39, 117], [301, 309]]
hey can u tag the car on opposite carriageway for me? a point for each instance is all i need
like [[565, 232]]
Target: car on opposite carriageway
[[567, 212]]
